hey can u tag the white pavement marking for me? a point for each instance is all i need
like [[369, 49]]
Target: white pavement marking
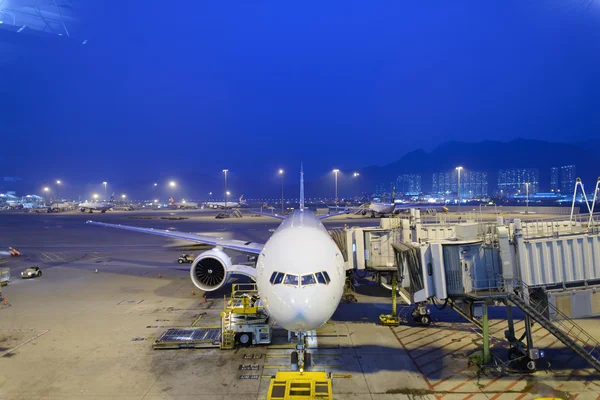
[[24, 343]]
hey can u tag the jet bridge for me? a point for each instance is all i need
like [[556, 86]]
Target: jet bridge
[[549, 269]]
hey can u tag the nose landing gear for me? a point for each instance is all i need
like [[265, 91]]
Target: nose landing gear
[[301, 359]]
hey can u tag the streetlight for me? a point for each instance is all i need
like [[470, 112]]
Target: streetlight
[[356, 175], [104, 183], [57, 184], [123, 197], [336, 171], [527, 198], [226, 198], [225, 171], [281, 173], [459, 169], [172, 184], [95, 195], [46, 189]]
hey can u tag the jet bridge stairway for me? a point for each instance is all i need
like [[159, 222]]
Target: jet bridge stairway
[[563, 328]]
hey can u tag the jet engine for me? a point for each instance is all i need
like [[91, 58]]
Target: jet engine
[[210, 270]]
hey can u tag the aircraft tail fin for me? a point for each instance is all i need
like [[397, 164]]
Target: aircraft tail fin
[[112, 197], [301, 187]]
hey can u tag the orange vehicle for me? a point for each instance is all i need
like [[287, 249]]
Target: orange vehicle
[[14, 252]]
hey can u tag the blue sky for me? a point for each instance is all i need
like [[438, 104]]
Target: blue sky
[[191, 87]]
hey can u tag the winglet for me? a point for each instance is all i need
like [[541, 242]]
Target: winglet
[[301, 187]]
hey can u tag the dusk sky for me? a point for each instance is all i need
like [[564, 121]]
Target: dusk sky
[[165, 88]]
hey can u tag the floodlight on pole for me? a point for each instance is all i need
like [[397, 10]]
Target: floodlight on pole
[[95, 196], [105, 183], [57, 185], [281, 173], [459, 169], [356, 175], [336, 171], [225, 171], [172, 184]]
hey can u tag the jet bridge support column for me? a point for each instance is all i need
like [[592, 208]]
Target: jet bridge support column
[[487, 357]]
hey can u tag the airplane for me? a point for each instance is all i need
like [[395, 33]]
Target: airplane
[[56, 207], [379, 208], [184, 204], [102, 206], [226, 204], [299, 271]]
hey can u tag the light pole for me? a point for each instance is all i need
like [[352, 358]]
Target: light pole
[[95, 196], [123, 197], [46, 189], [226, 198], [526, 197], [57, 185], [356, 175], [225, 171], [281, 173], [104, 183], [459, 169], [336, 171]]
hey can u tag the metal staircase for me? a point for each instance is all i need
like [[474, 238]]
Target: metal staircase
[[563, 328]]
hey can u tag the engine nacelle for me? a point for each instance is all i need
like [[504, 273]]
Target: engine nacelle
[[210, 270]]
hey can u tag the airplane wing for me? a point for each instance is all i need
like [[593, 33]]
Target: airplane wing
[[238, 245], [347, 211], [269, 214]]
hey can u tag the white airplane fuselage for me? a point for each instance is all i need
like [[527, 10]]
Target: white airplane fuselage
[[96, 206], [382, 208], [185, 205], [301, 246]]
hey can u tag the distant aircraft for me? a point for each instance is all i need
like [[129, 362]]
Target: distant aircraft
[[299, 271], [382, 209], [183, 204], [226, 204], [64, 206], [102, 206]]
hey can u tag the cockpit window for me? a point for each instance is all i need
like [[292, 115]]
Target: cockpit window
[[273, 277], [291, 280], [321, 278], [326, 275], [279, 278], [308, 280]]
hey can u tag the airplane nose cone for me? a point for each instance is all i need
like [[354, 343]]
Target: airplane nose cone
[[300, 311]]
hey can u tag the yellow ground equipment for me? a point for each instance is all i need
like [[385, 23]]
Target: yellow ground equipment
[[392, 319], [300, 386], [243, 321]]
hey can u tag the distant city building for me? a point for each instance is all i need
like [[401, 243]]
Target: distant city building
[[554, 179], [567, 178], [472, 183], [512, 181], [408, 184]]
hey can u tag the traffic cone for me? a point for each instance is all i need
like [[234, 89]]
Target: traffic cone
[[5, 301], [193, 293], [204, 298]]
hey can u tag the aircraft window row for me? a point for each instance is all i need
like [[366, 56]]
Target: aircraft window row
[[305, 280]]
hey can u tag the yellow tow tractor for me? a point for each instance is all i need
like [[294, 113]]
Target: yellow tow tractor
[[300, 385]]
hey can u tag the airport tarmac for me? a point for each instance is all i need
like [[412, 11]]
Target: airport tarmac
[[75, 333]]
